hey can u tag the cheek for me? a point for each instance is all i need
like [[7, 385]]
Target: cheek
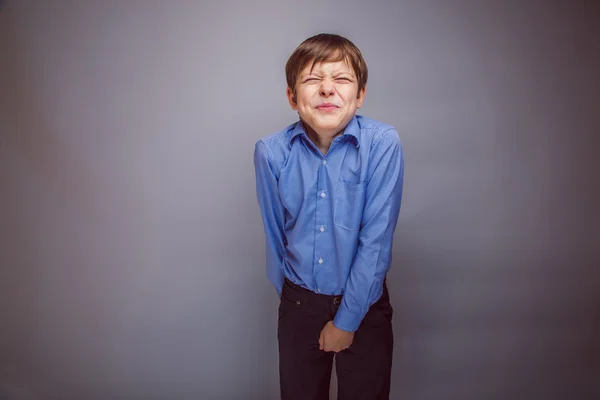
[[304, 107], [349, 97], [305, 103], [303, 99]]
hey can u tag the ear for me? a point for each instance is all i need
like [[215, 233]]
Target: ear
[[291, 98], [361, 97]]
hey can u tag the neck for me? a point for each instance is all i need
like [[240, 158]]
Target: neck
[[322, 143]]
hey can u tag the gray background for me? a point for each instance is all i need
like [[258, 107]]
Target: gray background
[[132, 258]]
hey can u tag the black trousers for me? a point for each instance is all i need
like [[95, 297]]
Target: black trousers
[[363, 369]]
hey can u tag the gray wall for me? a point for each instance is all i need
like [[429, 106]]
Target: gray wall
[[132, 259]]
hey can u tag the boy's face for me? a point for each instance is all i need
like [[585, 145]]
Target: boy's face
[[326, 97]]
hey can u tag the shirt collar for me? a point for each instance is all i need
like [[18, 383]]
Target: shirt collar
[[352, 130]]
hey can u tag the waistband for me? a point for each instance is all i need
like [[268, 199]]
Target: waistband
[[300, 292]]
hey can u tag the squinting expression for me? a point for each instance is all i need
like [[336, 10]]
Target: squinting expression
[[326, 97]]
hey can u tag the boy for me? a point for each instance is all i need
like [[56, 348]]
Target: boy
[[329, 188]]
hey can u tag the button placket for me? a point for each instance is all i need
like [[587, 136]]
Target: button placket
[[322, 216]]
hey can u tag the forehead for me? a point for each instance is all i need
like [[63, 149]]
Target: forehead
[[327, 67]]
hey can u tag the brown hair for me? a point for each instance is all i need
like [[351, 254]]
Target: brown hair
[[325, 47]]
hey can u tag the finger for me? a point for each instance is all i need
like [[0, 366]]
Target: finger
[[321, 341]]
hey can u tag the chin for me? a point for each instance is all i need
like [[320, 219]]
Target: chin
[[328, 124], [327, 130]]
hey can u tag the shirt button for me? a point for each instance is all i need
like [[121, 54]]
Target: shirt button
[[324, 162], [323, 194], [322, 229], [320, 261]]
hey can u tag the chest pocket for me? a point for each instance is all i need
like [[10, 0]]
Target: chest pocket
[[349, 205]]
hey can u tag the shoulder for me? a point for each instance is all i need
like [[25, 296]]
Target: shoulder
[[377, 133], [275, 146]]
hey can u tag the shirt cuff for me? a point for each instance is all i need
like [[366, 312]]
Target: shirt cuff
[[347, 320]]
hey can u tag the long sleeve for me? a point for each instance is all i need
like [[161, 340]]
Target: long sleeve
[[272, 213], [382, 207]]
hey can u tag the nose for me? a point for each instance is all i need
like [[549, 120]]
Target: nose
[[327, 88]]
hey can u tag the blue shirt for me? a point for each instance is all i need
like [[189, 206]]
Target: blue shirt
[[329, 220]]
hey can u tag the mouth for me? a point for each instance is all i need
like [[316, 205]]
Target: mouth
[[327, 107]]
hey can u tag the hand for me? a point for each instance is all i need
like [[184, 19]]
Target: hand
[[334, 339]]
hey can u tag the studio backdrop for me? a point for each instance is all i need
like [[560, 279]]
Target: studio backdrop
[[132, 260]]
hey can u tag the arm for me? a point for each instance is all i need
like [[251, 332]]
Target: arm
[[382, 207], [272, 213]]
